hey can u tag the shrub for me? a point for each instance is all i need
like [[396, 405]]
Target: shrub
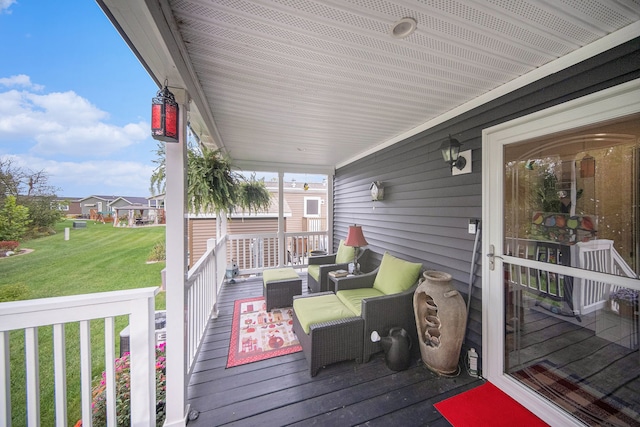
[[158, 253], [9, 245], [15, 292], [123, 391]]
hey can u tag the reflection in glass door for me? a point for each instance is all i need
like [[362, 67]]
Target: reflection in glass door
[[572, 336]]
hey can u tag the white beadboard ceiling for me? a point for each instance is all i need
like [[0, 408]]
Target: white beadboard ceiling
[[312, 84]]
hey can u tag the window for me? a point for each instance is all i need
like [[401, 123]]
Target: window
[[312, 207]]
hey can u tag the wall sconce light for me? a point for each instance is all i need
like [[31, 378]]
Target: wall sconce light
[[164, 116], [451, 153], [459, 161]]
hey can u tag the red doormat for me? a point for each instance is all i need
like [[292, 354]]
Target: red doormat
[[257, 334], [486, 405], [581, 400]]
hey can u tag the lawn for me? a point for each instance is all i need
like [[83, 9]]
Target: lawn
[[97, 258]]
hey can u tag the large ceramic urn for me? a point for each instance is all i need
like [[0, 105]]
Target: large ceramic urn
[[441, 320]]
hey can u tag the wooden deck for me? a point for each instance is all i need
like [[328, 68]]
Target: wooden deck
[[280, 391]]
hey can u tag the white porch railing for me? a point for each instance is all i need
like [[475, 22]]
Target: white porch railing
[[252, 252], [202, 287], [29, 315], [596, 255], [255, 252]]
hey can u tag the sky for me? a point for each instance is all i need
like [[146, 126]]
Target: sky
[[75, 102]]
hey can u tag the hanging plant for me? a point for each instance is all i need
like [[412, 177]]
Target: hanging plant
[[212, 186], [253, 195]]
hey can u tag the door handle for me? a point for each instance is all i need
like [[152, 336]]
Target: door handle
[[492, 257]]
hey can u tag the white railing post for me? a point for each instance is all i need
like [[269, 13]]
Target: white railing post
[[176, 232], [143, 362], [5, 380]]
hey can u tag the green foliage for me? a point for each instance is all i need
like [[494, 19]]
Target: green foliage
[[158, 178], [158, 253], [43, 212], [253, 195], [212, 185], [14, 292], [14, 220], [123, 391]]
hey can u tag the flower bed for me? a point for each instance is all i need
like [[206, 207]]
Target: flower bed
[[123, 391]]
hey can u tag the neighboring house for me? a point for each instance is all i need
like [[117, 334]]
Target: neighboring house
[[69, 206], [203, 227], [95, 205]]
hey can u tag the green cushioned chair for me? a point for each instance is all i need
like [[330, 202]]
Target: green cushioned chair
[[320, 266], [337, 327], [383, 298]]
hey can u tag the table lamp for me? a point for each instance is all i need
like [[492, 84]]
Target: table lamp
[[355, 239]]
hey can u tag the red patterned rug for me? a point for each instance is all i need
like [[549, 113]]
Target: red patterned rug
[[257, 334], [582, 400]]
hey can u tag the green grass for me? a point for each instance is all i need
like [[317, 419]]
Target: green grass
[[98, 258]]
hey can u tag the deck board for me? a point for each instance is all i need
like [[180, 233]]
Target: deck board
[[280, 391]]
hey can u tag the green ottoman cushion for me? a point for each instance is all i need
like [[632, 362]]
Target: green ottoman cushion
[[352, 298], [279, 274], [314, 271], [323, 308]]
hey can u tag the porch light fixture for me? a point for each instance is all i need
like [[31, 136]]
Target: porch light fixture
[[355, 239], [404, 28], [164, 116], [451, 153]]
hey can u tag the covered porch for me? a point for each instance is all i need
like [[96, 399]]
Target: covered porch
[[336, 88]]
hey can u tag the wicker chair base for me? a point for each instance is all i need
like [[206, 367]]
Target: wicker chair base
[[280, 294], [330, 342]]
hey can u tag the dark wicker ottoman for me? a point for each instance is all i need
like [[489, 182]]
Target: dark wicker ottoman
[[329, 341], [280, 286]]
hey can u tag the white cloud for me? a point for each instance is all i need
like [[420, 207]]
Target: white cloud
[[80, 179], [20, 80], [62, 123], [5, 5]]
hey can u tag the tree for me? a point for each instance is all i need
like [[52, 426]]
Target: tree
[[14, 220], [30, 189]]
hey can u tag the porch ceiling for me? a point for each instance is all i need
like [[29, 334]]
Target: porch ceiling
[[316, 84]]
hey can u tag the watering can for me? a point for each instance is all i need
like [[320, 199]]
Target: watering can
[[397, 348]]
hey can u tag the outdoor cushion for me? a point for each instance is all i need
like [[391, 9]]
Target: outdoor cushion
[[279, 274], [314, 271], [396, 275], [345, 253], [323, 308], [352, 298]]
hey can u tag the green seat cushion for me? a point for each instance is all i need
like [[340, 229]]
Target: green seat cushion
[[396, 275], [314, 271], [323, 308], [352, 298], [279, 274], [345, 253]]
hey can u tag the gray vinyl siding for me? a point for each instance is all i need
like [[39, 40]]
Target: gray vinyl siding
[[425, 212]]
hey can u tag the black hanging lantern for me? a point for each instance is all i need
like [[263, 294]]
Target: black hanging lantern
[[164, 116]]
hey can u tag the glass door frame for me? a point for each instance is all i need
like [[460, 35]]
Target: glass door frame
[[615, 102]]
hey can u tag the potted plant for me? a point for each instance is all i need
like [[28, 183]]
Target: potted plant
[[627, 300]]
